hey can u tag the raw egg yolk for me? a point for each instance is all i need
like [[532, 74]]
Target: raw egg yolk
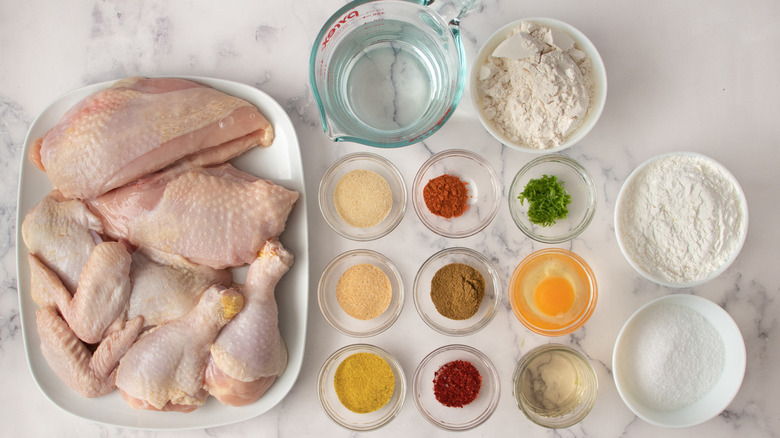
[[554, 296]]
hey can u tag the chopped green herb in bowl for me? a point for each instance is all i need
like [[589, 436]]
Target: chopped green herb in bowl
[[547, 200]]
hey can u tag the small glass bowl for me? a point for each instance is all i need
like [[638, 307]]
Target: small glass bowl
[[484, 191], [566, 360], [362, 161], [455, 419], [716, 399], [577, 182], [341, 320], [338, 412], [599, 78], [491, 302], [516, 293]]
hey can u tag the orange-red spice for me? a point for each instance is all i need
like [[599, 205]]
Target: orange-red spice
[[457, 383], [446, 196]]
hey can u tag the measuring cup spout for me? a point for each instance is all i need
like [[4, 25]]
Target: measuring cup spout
[[330, 128], [452, 10]]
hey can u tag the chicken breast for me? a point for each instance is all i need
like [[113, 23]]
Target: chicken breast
[[141, 125]]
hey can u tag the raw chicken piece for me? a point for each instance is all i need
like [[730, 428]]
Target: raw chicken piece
[[102, 294], [89, 374], [141, 125], [62, 234], [250, 353], [218, 216], [166, 286], [164, 369]]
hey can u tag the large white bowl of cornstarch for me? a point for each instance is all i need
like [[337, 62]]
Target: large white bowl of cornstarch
[[679, 361]]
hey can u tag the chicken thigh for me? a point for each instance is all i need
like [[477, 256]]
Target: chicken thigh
[[217, 216], [164, 369], [166, 286], [141, 125], [250, 353]]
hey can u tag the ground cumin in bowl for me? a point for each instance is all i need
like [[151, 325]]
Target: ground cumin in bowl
[[456, 291]]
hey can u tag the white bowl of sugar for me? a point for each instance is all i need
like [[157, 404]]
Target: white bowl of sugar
[[679, 361]]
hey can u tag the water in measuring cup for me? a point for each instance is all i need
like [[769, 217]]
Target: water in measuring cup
[[389, 86], [393, 81]]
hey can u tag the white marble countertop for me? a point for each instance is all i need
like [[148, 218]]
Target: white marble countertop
[[697, 76]]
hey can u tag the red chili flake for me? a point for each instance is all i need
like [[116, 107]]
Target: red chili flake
[[456, 383]]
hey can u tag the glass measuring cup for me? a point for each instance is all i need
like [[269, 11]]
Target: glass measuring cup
[[389, 73]]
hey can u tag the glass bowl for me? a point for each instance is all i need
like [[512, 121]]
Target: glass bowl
[[715, 400], [333, 312], [527, 296], [597, 98], [484, 191], [338, 412], [577, 182], [572, 383], [454, 418], [490, 304], [369, 162], [636, 244]]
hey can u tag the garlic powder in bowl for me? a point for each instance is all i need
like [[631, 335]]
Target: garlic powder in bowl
[[539, 85], [681, 219]]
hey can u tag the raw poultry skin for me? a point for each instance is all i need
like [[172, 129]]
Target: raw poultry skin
[[141, 125], [166, 286], [217, 216], [164, 368], [62, 233], [100, 302], [89, 374], [249, 352]]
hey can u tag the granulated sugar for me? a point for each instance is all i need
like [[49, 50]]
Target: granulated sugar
[[674, 356]]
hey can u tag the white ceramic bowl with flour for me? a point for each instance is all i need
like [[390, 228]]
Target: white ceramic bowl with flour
[[681, 219], [557, 91], [679, 361]]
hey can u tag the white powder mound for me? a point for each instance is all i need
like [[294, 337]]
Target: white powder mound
[[673, 356], [536, 86], [680, 218]]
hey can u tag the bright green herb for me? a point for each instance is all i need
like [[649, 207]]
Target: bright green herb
[[547, 199]]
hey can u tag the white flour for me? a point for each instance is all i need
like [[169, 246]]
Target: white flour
[[680, 218], [536, 87], [673, 356]]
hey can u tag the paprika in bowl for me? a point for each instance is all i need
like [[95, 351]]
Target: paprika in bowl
[[361, 387], [456, 193], [456, 387]]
